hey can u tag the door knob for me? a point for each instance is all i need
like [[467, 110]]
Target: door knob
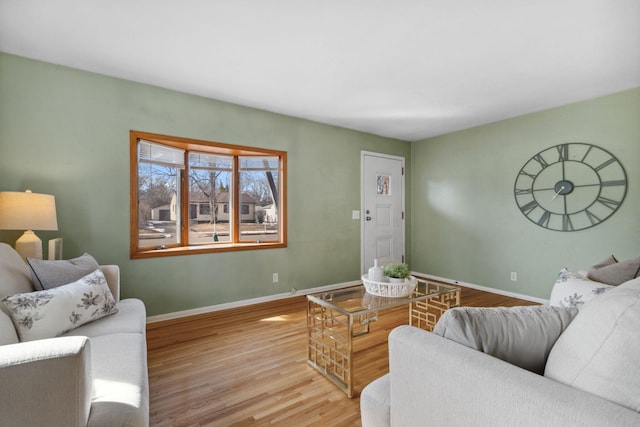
[[368, 218]]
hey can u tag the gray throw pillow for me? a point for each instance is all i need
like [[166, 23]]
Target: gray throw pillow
[[51, 274], [600, 350], [522, 336], [618, 273], [610, 260]]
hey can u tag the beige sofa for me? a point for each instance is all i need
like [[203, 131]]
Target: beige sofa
[[93, 375], [523, 366]]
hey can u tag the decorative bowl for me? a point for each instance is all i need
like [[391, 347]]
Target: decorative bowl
[[389, 289]]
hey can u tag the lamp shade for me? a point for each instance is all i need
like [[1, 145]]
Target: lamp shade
[[27, 211]]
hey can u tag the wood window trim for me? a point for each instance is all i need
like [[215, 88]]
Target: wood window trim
[[189, 144]]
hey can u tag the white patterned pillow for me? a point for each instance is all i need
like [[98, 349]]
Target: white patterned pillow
[[575, 290], [51, 313]]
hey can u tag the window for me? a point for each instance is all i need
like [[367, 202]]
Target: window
[[205, 209], [190, 196]]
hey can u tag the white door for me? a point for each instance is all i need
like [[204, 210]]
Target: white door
[[382, 209]]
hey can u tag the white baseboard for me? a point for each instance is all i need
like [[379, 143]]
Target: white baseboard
[[483, 288], [246, 302]]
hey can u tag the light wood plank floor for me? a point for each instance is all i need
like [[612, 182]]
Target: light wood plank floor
[[247, 366]]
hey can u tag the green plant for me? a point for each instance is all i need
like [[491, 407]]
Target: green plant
[[398, 271]]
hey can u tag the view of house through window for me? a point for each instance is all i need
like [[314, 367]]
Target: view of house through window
[[159, 171], [258, 180], [204, 195], [210, 183]]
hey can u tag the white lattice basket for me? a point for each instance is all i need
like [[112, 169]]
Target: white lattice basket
[[390, 289]]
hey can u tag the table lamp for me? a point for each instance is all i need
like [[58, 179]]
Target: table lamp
[[28, 211]]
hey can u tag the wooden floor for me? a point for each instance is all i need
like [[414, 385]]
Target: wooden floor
[[247, 366]]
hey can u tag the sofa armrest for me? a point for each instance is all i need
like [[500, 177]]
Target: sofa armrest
[[448, 384], [45, 381], [112, 274]]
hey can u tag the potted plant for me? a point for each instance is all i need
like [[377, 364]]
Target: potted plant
[[396, 272]]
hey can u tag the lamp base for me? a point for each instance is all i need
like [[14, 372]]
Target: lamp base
[[29, 245]]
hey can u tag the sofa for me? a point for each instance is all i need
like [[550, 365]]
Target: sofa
[[88, 368], [566, 365]]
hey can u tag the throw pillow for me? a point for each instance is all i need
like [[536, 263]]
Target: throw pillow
[[600, 350], [616, 274], [522, 336], [51, 274], [575, 290], [51, 313]]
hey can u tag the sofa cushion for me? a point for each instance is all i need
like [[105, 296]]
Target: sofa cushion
[[575, 290], [120, 384], [618, 273], [50, 313], [600, 350], [51, 274], [131, 318], [522, 336]]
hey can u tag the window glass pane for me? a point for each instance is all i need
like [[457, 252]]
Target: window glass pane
[[158, 204], [383, 185], [148, 152], [259, 182], [209, 196]]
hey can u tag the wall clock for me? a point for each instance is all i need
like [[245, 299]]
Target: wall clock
[[570, 187]]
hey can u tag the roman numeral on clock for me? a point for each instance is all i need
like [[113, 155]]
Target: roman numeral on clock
[[520, 191], [538, 158], [529, 207], [563, 152], [544, 219], [567, 225], [614, 183], [611, 204]]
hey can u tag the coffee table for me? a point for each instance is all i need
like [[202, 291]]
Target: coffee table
[[336, 317]]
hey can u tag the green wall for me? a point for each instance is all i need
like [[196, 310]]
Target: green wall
[[66, 132], [466, 225]]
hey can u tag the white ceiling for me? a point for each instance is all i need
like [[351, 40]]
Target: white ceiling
[[407, 69]]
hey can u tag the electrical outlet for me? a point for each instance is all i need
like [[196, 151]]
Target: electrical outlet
[[275, 277], [514, 276]]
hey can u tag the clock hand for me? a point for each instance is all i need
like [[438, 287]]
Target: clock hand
[[558, 192]]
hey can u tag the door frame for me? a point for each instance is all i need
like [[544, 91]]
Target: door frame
[[363, 154]]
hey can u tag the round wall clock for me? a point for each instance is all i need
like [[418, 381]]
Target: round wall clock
[[570, 187]]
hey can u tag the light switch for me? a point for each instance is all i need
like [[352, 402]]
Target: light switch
[[355, 214]]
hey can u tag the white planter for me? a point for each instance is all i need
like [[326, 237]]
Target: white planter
[[400, 289]]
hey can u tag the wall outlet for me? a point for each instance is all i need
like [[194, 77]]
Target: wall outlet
[[275, 277], [514, 276]]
